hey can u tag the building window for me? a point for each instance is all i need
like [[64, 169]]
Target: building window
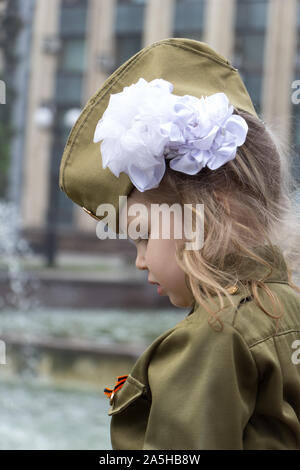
[[129, 26], [73, 18], [250, 29], [68, 90], [295, 127], [73, 57], [189, 19], [69, 80]]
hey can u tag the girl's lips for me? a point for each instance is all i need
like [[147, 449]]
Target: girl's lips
[[159, 290]]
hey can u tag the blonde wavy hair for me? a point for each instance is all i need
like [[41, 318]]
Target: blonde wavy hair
[[248, 201]]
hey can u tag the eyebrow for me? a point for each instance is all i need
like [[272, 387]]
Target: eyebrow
[[145, 233], [137, 239]]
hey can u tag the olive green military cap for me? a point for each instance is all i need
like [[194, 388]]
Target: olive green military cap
[[193, 68]]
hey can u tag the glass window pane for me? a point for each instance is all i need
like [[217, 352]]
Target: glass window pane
[[250, 32], [189, 16], [65, 209], [297, 54], [73, 55], [197, 36], [296, 144], [251, 14], [126, 47], [136, 2], [73, 20], [129, 18], [296, 125], [253, 84], [296, 107], [249, 50], [68, 89]]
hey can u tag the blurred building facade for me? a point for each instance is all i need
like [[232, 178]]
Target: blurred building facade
[[76, 44]]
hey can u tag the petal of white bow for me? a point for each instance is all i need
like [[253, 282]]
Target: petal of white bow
[[146, 124]]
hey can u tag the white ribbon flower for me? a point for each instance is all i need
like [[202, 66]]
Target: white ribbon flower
[[146, 124]]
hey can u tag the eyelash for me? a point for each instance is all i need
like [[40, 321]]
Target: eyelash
[[142, 239], [138, 240]]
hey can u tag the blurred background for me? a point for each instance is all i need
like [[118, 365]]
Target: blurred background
[[74, 311]]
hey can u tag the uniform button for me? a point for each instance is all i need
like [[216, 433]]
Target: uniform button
[[232, 289], [111, 398], [90, 213]]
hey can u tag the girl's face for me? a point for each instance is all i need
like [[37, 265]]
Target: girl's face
[[157, 255]]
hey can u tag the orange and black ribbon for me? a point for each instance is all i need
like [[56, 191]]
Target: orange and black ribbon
[[119, 384]]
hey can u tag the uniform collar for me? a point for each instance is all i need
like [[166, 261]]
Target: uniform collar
[[249, 268]]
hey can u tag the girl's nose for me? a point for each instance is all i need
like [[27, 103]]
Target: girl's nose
[[140, 262]]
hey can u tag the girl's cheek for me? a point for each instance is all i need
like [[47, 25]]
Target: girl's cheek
[[144, 249], [146, 254], [156, 255], [150, 254]]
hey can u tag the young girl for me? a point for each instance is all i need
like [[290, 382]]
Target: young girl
[[178, 127]]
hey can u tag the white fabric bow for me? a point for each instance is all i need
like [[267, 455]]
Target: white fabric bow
[[145, 124]]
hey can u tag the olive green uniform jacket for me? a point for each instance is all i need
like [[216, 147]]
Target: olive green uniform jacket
[[198, 388]]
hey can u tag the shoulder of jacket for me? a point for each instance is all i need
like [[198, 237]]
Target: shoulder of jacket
[[186, 341], [194, 332], [244, 324], [257, 323]]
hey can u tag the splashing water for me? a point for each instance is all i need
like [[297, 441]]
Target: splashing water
[[13, 248]]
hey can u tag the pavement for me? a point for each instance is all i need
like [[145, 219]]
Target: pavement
[[74, 265]]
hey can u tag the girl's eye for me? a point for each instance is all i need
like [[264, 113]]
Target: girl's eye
[[138, 240], [142, 239]]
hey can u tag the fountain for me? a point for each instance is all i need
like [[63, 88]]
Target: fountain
[[13, 248], [56, 361]]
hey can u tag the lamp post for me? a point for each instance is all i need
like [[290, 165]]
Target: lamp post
[[46, 118]]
